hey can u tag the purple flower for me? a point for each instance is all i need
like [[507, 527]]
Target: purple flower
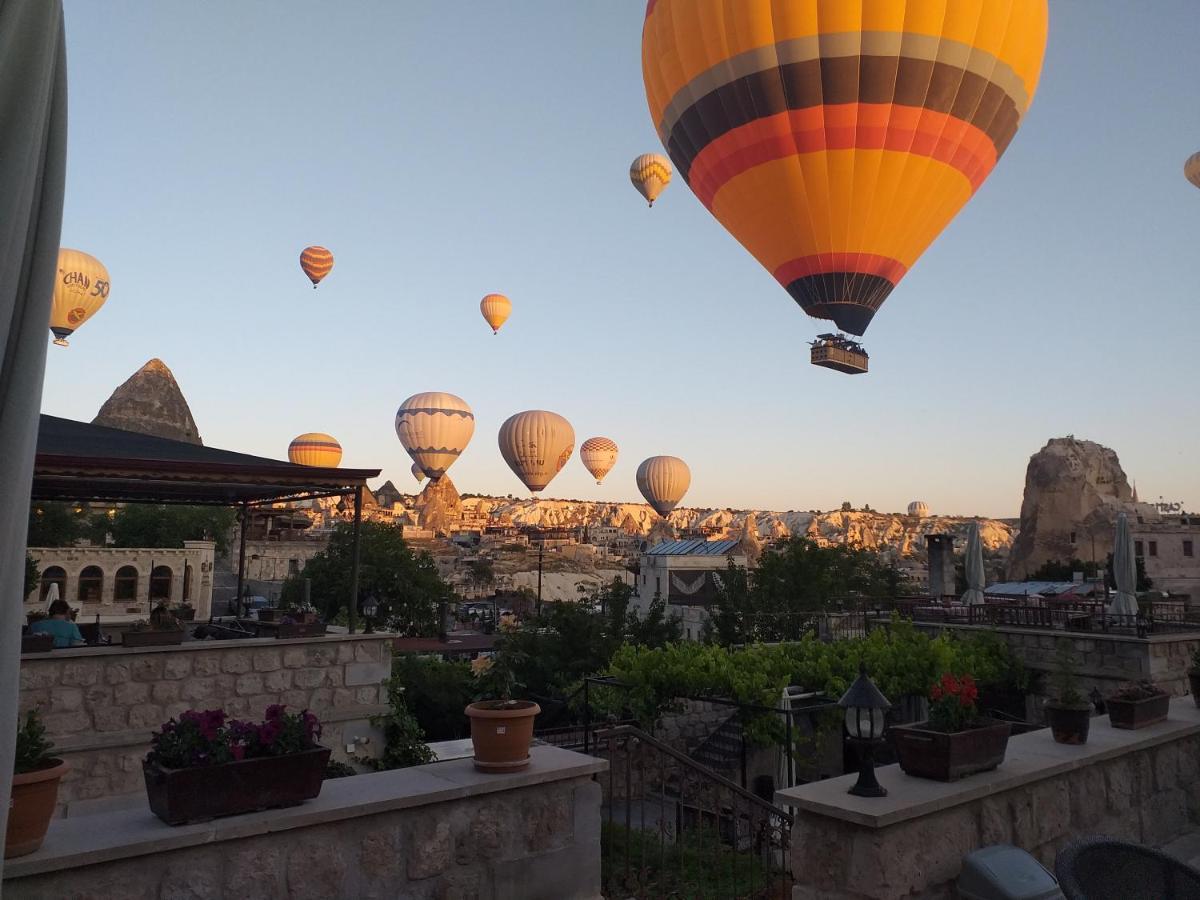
[[275, 712]]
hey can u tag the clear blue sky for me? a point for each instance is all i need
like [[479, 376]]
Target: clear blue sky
[[445, 150]]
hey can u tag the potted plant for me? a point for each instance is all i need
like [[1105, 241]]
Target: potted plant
[[955, 741], [1068, 712], [1138, 705], [161, 629], [36, 775], [501, 728], [1194, 675], [185, 612], [204, 765]]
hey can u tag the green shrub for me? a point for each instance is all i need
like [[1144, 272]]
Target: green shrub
[[33, 748]]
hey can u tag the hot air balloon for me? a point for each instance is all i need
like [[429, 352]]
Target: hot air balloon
[[919, 508], [496, 309], [80, 289], [663, 480], [599, 455], [435, 429], [650, 174], [418, 473], [536, 445], [315, 449], [835, 140], [1191, 169], [316, 263]]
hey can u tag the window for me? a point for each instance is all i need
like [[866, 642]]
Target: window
[[1137, 549], [91, 583], [658, 585], [160, 583], [1154, 548], [1072, 537], [1188, 550], [53, 575], [125, 585], [187, 581], [293, 567]]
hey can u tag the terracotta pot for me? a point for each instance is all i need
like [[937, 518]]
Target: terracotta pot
[[1069, 722], [949, 756], [1134, 714], [501, 732], [179, 796], [33, 797], [1194, 681]]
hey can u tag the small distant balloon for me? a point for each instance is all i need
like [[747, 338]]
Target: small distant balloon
[[1191, 169], [599, 455], [650, 174], [418, 473], [663, 480], [316, 262], [496, 309], [315, 448], [536, 444], [80, 288]]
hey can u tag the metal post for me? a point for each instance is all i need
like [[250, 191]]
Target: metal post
[[353, 610], [587, 714], [791, 773], [541, 547], [241, 558]]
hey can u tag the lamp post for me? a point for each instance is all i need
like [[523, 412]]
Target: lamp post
[[370, 608], [865, 708]]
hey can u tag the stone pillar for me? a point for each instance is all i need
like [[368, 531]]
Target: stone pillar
[[941, 564]]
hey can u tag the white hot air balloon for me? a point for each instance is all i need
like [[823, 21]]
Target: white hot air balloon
[[435, 429], [663, 480], [599, 455], [418, 473], [919, 508], [536, 444]]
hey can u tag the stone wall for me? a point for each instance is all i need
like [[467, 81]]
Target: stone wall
[[100, 705], [437, 831]]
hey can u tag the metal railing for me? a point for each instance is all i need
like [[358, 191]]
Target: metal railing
[[1077, 616], [674, 828]]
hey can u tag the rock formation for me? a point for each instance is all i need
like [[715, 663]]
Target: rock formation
[[1072, 487], [438, 506], [750, 546], [150, 402]]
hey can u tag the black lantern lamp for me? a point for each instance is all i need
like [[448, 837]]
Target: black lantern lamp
[[370, 608], [865, 709]]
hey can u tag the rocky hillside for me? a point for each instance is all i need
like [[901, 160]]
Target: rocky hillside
[[150, 402]]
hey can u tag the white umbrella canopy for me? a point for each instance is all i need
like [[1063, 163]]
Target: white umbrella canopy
[[1124, 571], [973, 563], [51, 594]]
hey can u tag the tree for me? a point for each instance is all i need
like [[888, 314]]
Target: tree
[[57, 524], [149, 525], [32, 575], [846, 507], [406, 584], [1056, 570], [482, 572]]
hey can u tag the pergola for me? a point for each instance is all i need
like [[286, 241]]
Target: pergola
[[91, 463]]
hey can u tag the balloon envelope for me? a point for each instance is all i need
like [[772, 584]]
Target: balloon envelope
[[418, 473], [663, 480], [81, 286], [536, 444], [315, 449], [650, 174], [316, 262], [435, 429], [496, 309], [599, 455], [836, 139], [1191, 169]]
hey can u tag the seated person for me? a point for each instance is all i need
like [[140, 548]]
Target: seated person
[[66, 633]]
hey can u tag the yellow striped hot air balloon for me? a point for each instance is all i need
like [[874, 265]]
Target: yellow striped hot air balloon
[[418, 473], [650, 174], [663, 480], [599, 455], [536, 444], [316, 262], [496, 309], [315, 448], [81, 286], [435, 428], [835, 139]]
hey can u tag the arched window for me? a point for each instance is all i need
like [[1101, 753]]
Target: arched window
[[54, 575], [125, 585], [91, 584], [160, 583]]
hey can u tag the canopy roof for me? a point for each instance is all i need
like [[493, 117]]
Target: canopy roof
[[78, 461]]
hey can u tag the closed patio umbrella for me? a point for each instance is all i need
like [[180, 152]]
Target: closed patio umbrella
[[973, 563], [1124, 571]]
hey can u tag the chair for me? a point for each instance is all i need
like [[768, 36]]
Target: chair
[[1103, 868]]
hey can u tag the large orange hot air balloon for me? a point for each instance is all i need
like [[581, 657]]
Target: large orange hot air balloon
[[835, 139], [316, 263]]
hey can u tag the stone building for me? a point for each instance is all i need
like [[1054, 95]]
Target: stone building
[[686, 574], [119, 581], [1168, 545]]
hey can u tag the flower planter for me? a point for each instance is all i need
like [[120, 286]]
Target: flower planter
[[185, 615], [1194, 681], [34, 795], [946, 756], [1069, 723], [270, 615], [151, 638], [1133, 714], [37, 643], [277, 615], [179, 796], [501, 732], [299, 629]]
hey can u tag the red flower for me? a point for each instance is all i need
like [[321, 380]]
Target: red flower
[[935, 693]]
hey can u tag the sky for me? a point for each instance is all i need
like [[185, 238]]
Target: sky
[[446, 150]]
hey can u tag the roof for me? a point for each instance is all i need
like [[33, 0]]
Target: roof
[[693, 548], [461, 643], [79, 461], [1025, 588]]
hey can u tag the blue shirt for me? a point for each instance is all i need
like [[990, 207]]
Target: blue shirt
[[64, 631]]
